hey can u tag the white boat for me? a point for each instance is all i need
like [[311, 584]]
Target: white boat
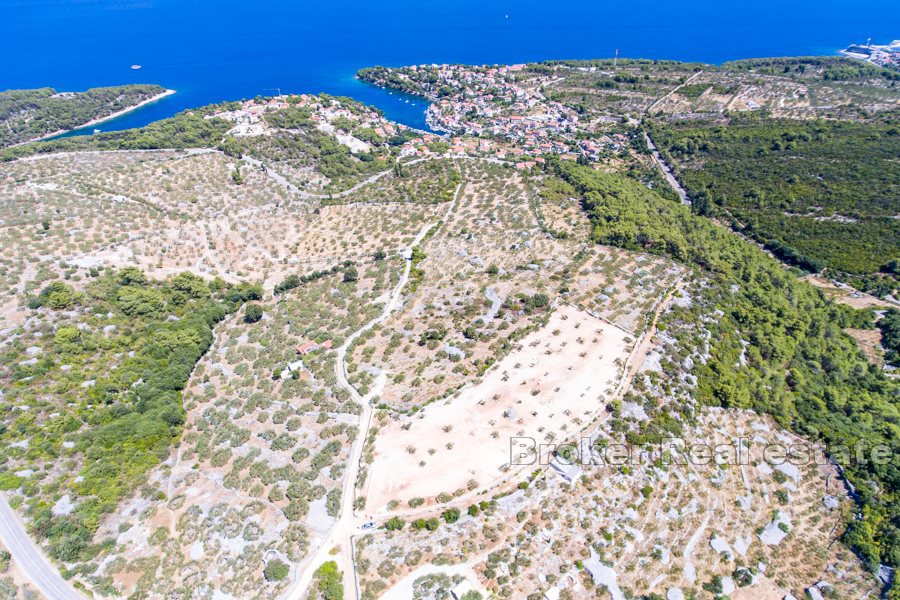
[[135, 67]]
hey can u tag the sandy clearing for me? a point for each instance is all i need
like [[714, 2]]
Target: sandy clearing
[[844, 294], [573, 364]]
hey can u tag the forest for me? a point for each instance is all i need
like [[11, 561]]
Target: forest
[[26, 115], [187, 129], [777, 348], [818, 194], [826, 68], [103, 393]]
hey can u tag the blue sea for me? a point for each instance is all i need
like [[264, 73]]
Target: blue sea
[[214, 50]]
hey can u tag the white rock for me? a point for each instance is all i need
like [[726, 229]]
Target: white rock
[[727, 586], [63, 506], [674, 594]]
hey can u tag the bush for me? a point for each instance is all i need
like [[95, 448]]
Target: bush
[[451, 515], [139, 302], [328, 582], [276, 570], [252, 313]]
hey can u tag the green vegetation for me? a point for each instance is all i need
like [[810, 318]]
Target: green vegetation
[[777, 346], [327, 582], [451, 515], [818, 194], [103, 386], [431, 524], [294, 281], [276, 570], [253, 313], [29, 114], [826, 68], [188, 129], [890, 336], [693, 91], [300, 144]]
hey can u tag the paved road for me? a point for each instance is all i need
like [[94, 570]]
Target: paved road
[[667, 172], [31, 561]]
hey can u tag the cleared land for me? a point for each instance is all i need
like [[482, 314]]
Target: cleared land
[[552, 386]]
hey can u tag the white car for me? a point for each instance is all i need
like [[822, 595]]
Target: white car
[[367, 526]]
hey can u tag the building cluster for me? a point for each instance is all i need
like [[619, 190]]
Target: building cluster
[[887, 55], [249, 117], [493, 103], [489, 111]]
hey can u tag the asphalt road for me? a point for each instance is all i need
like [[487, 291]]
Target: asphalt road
[[30, 559]]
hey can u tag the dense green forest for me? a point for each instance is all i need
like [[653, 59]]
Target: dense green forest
[[890, 336], [826, 68], [777, 347], [819, 194], [29, 114], [187, 129], [103, 392]]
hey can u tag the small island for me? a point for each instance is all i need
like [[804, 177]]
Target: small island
[[31, 115]]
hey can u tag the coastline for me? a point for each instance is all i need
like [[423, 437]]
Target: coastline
[[120, 113]]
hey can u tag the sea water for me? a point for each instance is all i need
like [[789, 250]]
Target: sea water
[[210, 51]]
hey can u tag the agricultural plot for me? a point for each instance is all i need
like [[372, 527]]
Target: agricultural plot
[[257, 475], [757, 530]]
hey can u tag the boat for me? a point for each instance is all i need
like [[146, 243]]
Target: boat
[[96, 131], [135, 67]]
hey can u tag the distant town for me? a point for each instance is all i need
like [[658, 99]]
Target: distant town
[[887, 55]]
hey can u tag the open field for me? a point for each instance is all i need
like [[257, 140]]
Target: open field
[[556, 382], [650, 529]]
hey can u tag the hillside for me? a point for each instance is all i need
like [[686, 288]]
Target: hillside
[[285, 344]]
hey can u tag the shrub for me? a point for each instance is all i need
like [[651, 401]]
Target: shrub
[[451, 515], [139, 302], [276, 570], [252, 313]]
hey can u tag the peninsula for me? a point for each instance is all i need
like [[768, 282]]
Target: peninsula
[[39, 114]]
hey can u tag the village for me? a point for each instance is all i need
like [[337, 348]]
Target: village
[[493, 117], [491, 102]]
